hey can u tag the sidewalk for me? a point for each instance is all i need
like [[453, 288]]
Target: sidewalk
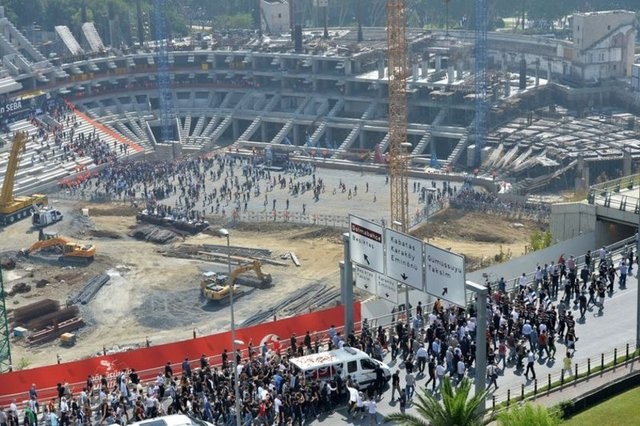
[[584, 386]]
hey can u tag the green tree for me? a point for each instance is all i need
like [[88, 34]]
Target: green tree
[[529, 414], [457, 407], [539, 240]]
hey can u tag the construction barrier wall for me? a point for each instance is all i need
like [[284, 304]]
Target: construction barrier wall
[[148, 362]]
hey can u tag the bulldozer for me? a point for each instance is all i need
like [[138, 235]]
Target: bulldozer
[[217, 287], [71, 252]]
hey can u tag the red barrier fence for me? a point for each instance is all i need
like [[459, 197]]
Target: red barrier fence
[[148, 362]]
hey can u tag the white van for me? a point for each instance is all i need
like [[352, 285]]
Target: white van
[[344, 362], [171, 420]]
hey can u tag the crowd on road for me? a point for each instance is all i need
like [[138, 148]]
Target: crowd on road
[[470, 199], [524, 328]]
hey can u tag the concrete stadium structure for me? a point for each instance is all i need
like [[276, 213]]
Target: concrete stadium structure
[[329, 98]]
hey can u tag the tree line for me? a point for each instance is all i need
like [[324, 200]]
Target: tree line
[[125, 20]]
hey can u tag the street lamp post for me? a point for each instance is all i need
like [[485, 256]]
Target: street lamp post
[[236, 383]]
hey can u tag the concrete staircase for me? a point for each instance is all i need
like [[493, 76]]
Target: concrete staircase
[[279, 137], [122, 128], [248, 133], [423, 143], [222, 127], [275, 100], [211, 126], [348, 141], [383, 144], [197, 130], [186, 129], [317, 134], [458, 150]]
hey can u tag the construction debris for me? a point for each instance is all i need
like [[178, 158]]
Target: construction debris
[[8, 263], [33, 310], [53, 332], [19, 288], [238, 251], [89, 290], [294, 258], [306, 299], [52, 318], [154, 234]]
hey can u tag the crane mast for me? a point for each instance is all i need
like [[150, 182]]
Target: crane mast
[[397, 75], [19, 142], [167, 117]]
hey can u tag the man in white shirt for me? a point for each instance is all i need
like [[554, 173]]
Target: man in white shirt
[[523, 281], [440, 372], [372, 409], [461, 370], [421, 354], [277, 405]]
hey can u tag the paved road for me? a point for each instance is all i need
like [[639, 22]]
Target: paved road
[[597, 334]]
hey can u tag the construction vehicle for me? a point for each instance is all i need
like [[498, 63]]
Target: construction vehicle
[[217, 287], [71, 252], [45, 216], [13, 208]]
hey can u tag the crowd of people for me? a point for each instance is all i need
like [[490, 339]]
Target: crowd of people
[[524, 325], [470, 199]]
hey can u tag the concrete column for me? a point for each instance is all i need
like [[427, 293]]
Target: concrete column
[[438, 62], [627, 162], [450, 75], [296, 135], [523, 74], [236, 128], [346, 280], [314, 84], [537, 73], [381, 68], [263, 132], [459, 69], [415, 70], [481, 338], [314, 66], [347, 88], [549, 71], [347, 67], [425, 67]]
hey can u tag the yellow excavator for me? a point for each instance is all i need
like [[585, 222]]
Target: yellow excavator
[[13, 208], [217, 287], [71, 252]]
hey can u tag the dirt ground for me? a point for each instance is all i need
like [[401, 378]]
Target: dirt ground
[[151, 296]]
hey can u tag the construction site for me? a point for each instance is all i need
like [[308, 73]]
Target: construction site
[[491, 112]]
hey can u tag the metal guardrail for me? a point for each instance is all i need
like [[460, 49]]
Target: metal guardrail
[[544, 385]]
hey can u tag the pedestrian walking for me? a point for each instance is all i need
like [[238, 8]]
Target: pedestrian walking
[[530, 364]]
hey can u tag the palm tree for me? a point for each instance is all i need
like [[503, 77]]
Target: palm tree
[[529, 414], [456, 408]]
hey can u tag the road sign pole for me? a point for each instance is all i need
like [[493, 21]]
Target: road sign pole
[[481, 337], [347, 286]]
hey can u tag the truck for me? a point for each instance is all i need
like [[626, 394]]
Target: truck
[[343, 362], [45, 216], [13, 208]]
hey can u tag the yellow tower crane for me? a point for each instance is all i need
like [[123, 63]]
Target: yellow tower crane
[[398, 145]]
